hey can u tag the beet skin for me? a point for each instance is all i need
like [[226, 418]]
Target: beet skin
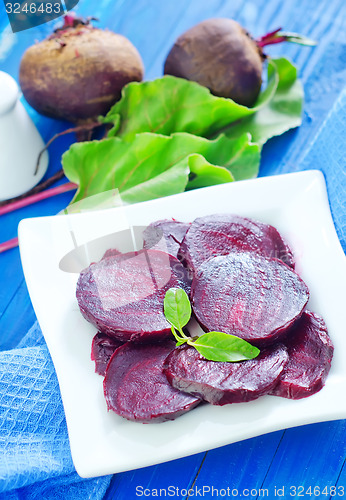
[[78, 73], [220, 55]]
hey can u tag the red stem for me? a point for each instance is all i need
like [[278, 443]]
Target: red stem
[[37, 189], [8, 245], [271, 41], [48, 193], [278, 36], [269, 35]]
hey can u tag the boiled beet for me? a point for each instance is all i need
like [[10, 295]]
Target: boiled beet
[[136, 388], [123, 296], [165, 235], [222, 233], [310, 352], [222, 383], [102, 349], [248, 295], [111, 252]]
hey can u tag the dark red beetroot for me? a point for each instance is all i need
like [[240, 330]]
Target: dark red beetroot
[[123, 296], [79, 71], [247, 295], [221, 55], [102, 349], [136, 388], [165, 235], [222, 383], [220, 234], [310, 352]]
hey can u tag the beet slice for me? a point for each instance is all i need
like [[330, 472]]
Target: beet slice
[[136, 388], [310, 352], [222, 383], [166, 235], [123, 296], [248, 295], [102, 348], [111, 252], [220, 234]]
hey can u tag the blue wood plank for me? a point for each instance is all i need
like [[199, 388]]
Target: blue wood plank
[[172, 478], [239, 467], [311, 455]]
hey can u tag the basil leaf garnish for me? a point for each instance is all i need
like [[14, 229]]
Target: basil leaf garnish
[[214, 346], [177, 308], [219, 346]]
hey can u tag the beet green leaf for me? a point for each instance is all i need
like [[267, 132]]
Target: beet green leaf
[[153, 165], [169, 104], [280, 113]]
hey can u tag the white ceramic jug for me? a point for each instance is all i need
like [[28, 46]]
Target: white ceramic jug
[[20, 143]]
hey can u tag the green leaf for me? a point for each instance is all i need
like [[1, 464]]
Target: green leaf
[[152, 165], [240, 156], [177, 308], [177, 337], [279, 114], [296, 38], [203, 173], [218, 346], [169, 104]]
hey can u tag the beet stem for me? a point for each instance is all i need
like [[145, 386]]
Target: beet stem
[[29, 200], [37, 189], [279, 36], [7, 245], [81, 128]]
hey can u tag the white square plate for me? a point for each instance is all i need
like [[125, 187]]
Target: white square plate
[[104, 443]]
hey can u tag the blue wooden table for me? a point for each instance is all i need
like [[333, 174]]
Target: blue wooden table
[[285, 463]]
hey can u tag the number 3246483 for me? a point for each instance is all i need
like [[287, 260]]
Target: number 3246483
[[33, 7], [316, 491]]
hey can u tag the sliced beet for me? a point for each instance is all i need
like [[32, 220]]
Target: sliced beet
[[310, 352], [165, 235], [123, 296], [136, 388], [247, 295], [220, 234], [111, 252], [102, 349], [222, 383]]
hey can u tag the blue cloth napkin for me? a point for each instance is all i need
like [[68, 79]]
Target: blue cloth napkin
[[34, 448]]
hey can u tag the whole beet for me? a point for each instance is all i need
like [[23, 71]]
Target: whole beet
[[222, 56], [78, 72]]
